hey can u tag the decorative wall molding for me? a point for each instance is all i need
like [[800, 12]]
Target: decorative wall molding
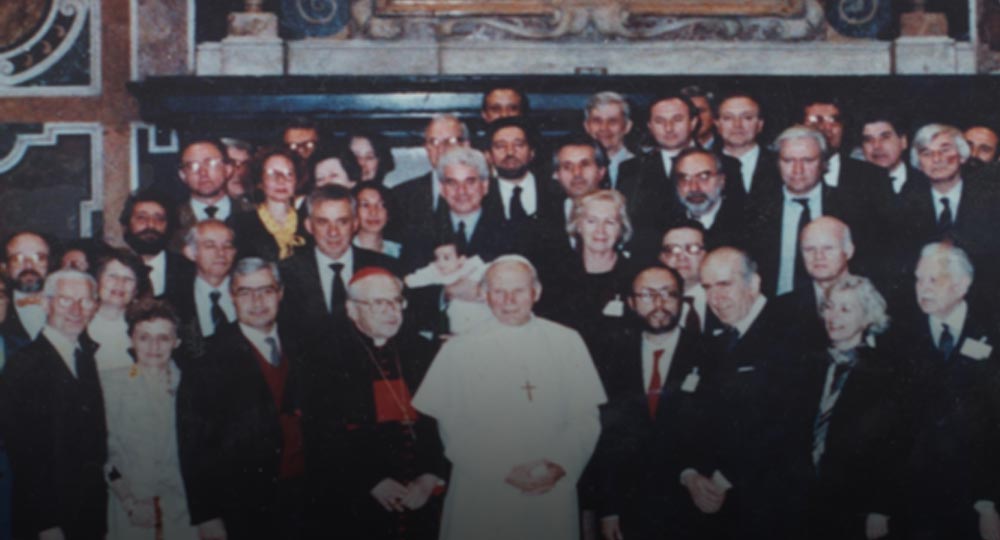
[[60, 56], [50, 137]]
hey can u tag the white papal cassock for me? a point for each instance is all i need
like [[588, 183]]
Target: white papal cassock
[[478, 390]]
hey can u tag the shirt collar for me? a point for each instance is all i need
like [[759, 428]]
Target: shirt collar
[[63, 345], [223, 204], [471, 220], [259, 339], [955, 321], [814, 195], [202, 287], [755, 309], [347, 259]]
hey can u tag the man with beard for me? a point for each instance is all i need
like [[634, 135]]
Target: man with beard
[[701, 181], [27, 256], [516, 189], [148, 223], [650, 373]]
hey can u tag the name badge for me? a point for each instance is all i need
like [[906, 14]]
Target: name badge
[[976, 350], [614, 308], [690, 383]]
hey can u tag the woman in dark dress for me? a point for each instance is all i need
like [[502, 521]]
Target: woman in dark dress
[[274, 230]]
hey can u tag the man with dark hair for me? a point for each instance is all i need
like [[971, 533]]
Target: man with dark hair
[[701, 184], [520, 194], [58, 436], [884, 143], [503, 102], [317, 278], [982, 143], [149, 221], [238, 420], [205, 170], [580, 166], [301, 136], [240, 185], [650, 373], [704, 101], [645, 180], [27, 263]]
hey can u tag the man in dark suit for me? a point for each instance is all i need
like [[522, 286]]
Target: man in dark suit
[[734, 466], [417, 199], [27, 257], [149, 222], [779, 218], [948, 206], [57, 435], [517, 191], [701, 185], [739, 121], [503, 102], [884, 143], [370, 456], [649, 375], [645, 180], [239, 435], [950, 347], [982, 143], [317, 278], [580, 165], [607, 119], [205, 170], [704, 100], [205, 304]]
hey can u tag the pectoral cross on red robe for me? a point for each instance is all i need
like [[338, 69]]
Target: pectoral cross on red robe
[[528, 387]]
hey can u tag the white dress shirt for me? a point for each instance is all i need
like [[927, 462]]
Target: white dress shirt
[[32, 316], [623, 154], [224, 205], [832, 175], [708, 218], [652, 342], [955, 321], [326, 273], [63, 346], [748, 164], [259, 339], [954, 196], [700, 303], [668, 159], [203, 304], [755, 309], [529, 194], [898, 176], [158, 273], [791, 212], [471, 220]]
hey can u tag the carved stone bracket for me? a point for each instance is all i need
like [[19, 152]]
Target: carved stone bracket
[[589, 21]]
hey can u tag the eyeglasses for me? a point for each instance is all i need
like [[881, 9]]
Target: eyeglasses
[[384, 304], [443, 141], [677, 249], [35, 258], [194, 167], [308, 145], [651, 295], [700, 177], [823, 119], [66, 302], [246, 293], [278, 174]]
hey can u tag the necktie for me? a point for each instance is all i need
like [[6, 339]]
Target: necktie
[[945, 220], [729, 337], [692, 323], [946, 343], [275, 357], [337, 291], [655, 383], [218, 316], [461, 241], [801, 277], [516, 208], [211, 211]]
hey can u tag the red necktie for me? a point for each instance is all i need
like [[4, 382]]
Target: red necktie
[[655, 383]]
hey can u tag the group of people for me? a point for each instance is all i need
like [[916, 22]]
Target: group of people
[[713, 337]]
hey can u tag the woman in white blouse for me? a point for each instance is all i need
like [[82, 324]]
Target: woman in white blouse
[[148, 499], [121, 278]]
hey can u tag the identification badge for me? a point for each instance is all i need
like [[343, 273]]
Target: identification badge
[[614, 308], [976, 350], [690, 383]]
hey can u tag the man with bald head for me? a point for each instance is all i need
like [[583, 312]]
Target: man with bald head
[[58, 437], [27, 256], [517, 402], [738, 449], [420, 197], [650, 373], [739, 120], [383, 473]]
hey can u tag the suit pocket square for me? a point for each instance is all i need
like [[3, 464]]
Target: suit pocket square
[[976, 350], [745, 369]]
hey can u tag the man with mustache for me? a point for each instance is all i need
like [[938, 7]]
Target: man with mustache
[[27, 257], [650, 373], [516, 189], [701, 182], [148, 221]]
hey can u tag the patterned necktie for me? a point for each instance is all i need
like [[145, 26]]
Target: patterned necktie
[[275, 356], [945, 220], [218, 316], [337, 291], [946, 342], [516, 208], [655, 383]]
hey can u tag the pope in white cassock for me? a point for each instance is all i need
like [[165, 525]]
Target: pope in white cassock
[[516, 400]]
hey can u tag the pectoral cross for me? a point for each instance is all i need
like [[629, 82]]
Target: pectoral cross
[[528, 387]]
